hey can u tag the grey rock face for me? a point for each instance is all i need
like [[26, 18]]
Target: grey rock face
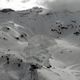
[[6, 10], [24, 71]]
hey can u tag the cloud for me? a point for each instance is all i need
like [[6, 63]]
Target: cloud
[[72, 5], [17, 4]]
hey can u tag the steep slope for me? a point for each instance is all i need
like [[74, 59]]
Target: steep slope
[[51, 23], [36, 36]]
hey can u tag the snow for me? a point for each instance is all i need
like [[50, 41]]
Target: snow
[[58, 47]]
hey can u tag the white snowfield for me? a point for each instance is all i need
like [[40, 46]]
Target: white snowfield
[[43, 39]]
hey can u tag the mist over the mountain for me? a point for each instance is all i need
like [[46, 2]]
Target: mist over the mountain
[[72, 5]]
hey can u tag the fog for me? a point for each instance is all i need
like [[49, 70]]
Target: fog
[[73, 5]]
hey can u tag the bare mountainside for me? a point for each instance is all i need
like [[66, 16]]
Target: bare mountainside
[[39, 45]]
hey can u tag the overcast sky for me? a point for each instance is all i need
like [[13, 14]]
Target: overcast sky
[[50, 4]]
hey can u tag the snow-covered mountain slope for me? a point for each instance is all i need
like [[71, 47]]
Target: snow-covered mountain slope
[[13, 38], [63, 26], [37, 36], [55, 24], [10, 31]]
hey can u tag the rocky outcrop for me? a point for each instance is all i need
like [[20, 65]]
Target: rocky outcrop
[[6, 10]]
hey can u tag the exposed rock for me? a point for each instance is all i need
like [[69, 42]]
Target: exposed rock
[[6, 10]]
